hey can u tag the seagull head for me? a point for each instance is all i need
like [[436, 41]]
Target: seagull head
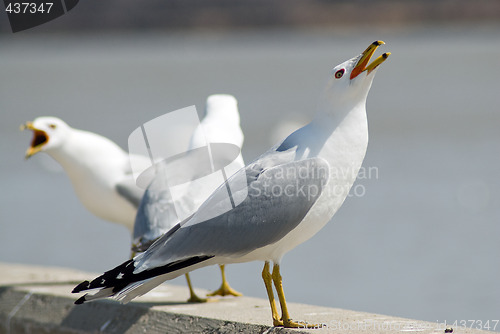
[[48, 133], [349, 82], [222, 105], [218, 101]]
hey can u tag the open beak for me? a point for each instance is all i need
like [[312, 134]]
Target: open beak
[[363, 65], [40, 138]]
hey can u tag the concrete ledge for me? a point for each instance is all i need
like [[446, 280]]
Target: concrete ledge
[[38, 300]]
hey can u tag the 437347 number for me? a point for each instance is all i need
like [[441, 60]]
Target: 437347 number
[[28, 7]]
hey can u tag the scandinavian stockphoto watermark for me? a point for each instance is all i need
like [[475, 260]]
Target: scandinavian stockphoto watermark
[[191, 164], [308, 181], [176, 147]]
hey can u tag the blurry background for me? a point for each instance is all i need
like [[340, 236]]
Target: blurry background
[[418, 239]]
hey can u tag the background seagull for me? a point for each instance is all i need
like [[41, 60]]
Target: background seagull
[[158, 212], [293, 190], [98, 169]]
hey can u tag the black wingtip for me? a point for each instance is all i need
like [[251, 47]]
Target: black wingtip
[[80, 301], [80, 287]]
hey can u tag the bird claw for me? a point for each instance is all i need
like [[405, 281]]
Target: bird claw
[[225, 290], [196, 299], [301, 324]]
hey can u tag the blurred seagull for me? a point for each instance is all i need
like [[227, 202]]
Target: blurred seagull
[[98, 169], [157, 212], [293, 190]]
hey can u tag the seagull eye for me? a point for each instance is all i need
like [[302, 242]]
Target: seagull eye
[[339, 74], [52, 126]]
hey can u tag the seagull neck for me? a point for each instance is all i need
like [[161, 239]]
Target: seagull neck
[[329, 120], [216, 116], [342, 134], [66, 154]]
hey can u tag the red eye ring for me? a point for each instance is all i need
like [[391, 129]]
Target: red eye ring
[[339, 74]]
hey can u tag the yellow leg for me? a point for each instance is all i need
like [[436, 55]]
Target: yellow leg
[[285, 316], [193, 298], [225, 289], [268, 281]]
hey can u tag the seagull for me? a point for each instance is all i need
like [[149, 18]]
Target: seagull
[[292, 191], [98, 168], [157, 213]]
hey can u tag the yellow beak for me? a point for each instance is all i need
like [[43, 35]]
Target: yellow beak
[[27, 125], [40, 138], [362, 64], [31, 151]]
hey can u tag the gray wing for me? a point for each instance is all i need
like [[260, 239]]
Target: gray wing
[[155, 216], [130, 191], [280, 193], [158, 212]]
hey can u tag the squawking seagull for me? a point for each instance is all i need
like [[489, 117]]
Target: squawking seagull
[[292, 191], [157, 211], [98, 169]]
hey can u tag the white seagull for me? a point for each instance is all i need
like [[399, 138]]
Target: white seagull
[[293, 190], [98, 169], [157, 212]]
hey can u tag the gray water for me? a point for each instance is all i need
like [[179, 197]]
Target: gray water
[[419, 239]]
